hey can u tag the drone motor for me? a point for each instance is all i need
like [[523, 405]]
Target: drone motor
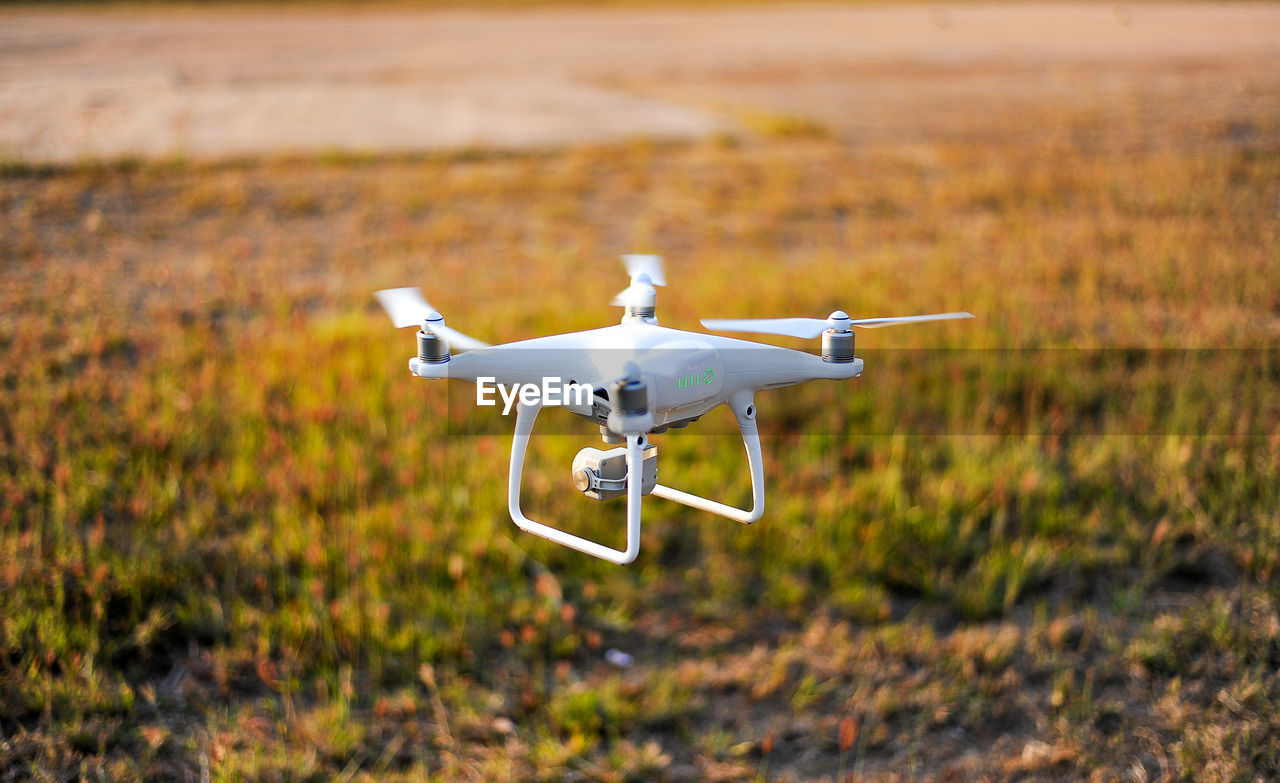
[[432, 348], [837, 346]]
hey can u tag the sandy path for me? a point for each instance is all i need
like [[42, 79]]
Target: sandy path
[[229, 82]]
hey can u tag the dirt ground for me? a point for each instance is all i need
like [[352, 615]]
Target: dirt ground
[[210, 83]]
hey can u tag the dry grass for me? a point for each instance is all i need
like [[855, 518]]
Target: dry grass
[[237, 538]]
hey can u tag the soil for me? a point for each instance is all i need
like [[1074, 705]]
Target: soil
[[229, 82]]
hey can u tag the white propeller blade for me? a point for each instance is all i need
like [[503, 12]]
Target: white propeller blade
[[812, 327], [639, 264], [408, 307], [876, 323], [457, 340], [935, 316], [646, 272]]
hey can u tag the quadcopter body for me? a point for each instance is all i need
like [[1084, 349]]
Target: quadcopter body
[[633, 380]]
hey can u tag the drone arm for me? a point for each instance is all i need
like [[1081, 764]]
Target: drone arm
[[744, 410], [525, 417]]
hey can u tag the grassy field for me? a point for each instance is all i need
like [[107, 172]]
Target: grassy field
[[239, 542]]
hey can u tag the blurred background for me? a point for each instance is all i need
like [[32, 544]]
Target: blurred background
[[239, 541]]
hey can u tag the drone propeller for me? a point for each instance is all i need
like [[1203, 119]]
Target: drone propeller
[[408, 307], [646, 272], [812, 327], [638, 264]]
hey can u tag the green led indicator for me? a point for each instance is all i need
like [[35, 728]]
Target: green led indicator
[[704, 378]]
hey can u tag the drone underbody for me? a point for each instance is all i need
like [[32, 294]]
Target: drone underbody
[[634, 379]]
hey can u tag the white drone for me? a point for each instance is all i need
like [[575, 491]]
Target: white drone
[[634, 379]]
